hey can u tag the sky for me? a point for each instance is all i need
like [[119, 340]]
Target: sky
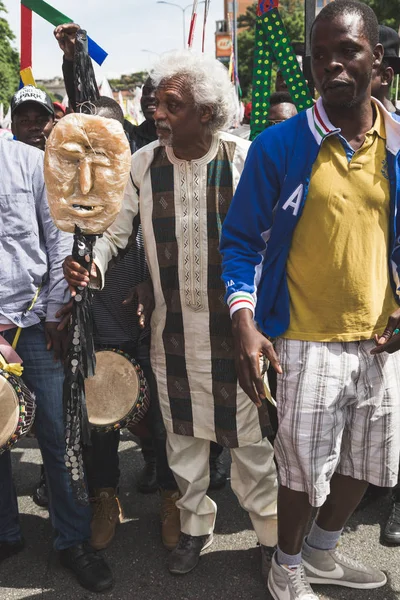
[[124, 28]]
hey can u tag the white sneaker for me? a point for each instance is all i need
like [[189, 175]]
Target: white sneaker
[[289, 584], [334, 568]]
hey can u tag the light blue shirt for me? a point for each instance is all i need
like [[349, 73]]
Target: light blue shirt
[[32, 249]]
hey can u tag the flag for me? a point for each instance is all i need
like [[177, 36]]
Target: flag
[[105, 89], [7, 119], [121, 101], [55, 17]]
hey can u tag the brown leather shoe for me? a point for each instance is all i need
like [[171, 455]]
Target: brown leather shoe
[[107, 513], [170, 518]]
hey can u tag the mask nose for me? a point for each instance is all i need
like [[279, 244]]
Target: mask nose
[[85, 176]]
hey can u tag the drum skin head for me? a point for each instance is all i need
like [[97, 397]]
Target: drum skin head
[[9, 411], [113, 390]]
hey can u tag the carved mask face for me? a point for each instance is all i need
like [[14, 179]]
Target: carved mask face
[[87, 165]]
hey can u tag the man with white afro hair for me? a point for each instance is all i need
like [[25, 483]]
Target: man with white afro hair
[[206, 79], [183, 185]]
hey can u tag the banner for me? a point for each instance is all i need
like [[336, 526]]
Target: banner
[[55, 17]]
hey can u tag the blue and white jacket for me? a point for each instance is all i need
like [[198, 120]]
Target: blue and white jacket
[[269, 200]]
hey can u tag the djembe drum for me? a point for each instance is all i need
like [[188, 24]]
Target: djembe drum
[[117, 395], [17, 410]]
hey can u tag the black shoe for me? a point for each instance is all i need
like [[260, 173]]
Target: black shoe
[[391, 534], [185, 556], [8, 549], [147, 483], [91, 570], [40, 495], [217, 474]]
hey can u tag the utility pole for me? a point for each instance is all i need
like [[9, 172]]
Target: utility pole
[[308, 21], [183, 9], [235, 40]]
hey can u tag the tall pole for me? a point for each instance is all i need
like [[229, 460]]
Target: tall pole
[[396, 98], [235, 41], [184, 27], [183, 9], [308, 21]]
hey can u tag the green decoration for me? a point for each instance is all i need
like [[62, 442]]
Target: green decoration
[[272, 44]]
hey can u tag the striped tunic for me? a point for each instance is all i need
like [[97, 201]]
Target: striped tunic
[[182, 207]]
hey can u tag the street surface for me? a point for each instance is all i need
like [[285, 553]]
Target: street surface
[[229, 570]]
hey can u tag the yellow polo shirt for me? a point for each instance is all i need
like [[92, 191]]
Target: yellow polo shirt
[[337, 269]]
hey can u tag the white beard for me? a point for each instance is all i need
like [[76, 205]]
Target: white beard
[[166, 141]]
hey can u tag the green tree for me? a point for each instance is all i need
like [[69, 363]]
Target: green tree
[[246, 51], [292, 12], [9, 61], [128, 81], [387, 11]]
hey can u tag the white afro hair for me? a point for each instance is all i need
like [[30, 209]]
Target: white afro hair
[[207, 79]]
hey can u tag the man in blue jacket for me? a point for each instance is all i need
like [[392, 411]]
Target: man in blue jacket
[[305, 250]]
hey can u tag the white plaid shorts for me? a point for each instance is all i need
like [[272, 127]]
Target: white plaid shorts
[[338, 410]]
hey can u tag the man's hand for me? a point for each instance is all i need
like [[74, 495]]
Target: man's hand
[[250, 344], [145, 297], [65, 313], [389, 341], [66, 36], [77, 275], [56, 340]]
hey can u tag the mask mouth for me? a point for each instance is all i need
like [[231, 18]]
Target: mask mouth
[[85, 210], [81, 207]]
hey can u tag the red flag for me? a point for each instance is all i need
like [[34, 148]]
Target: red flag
[[26, 37]]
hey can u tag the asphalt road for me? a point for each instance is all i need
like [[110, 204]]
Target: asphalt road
[[229, 570]]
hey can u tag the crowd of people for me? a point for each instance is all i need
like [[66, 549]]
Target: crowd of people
[[226, 255]]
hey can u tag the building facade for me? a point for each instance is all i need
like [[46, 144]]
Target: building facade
[[223, 37], [241, 6]]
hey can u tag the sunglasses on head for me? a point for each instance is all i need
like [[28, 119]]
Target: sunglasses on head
[[274, 122]]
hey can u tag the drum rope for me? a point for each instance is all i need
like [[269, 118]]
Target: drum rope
[[18, 332], [11, 372], [13, 368]]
